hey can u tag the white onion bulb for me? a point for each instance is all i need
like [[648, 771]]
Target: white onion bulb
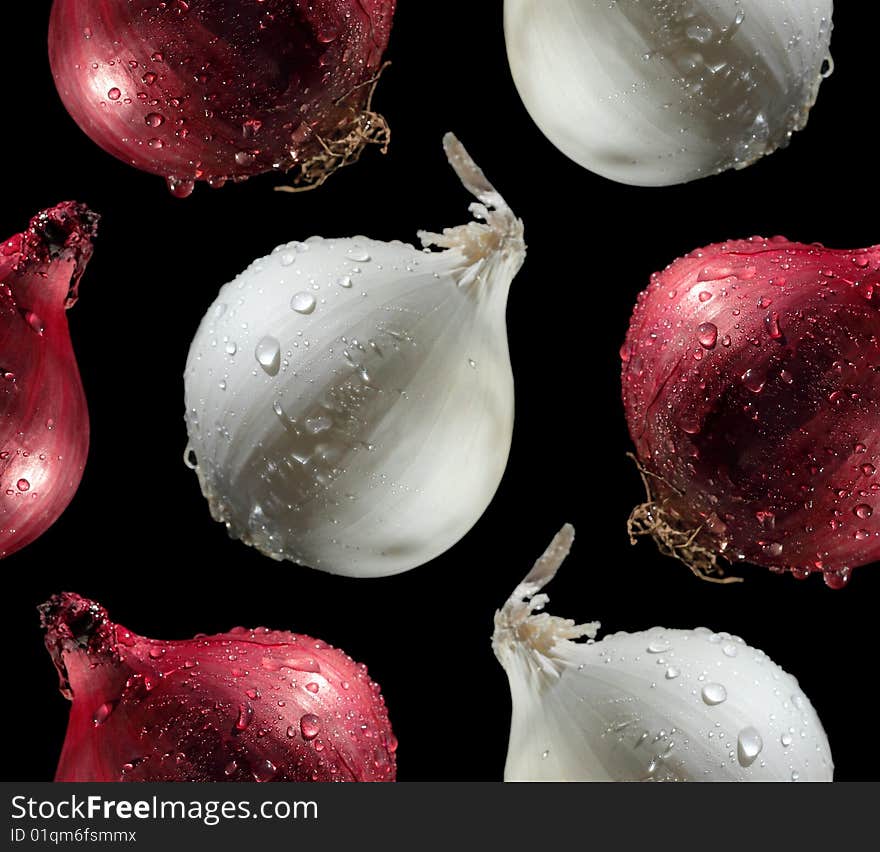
[[659, 92], [659, 705], [349, 402]]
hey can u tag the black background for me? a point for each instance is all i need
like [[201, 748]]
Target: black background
[[138, 536]]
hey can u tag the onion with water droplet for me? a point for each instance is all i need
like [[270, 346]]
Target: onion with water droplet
[[668, 91], [211, 90], [657, 705], [759, 441], [44, 421], [349, 402], [248, 705]]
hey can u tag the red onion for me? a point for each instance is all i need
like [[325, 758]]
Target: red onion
[[44, 422], [248, 705], [217, 89], [751, 382]]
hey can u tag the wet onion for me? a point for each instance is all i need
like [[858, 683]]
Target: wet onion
[[214, 89], [751, 382], [248, 705], [44, 421]]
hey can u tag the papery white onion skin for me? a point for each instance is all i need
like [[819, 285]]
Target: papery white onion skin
[[398, 380], [657, 705], [667, 91]]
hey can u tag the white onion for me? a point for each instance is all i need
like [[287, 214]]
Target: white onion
[[658, 705], [349, 402], [658, 92]]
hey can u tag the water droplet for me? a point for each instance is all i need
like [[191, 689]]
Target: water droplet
[[310, 726], [231, 347], [772, 548], [154, 119], [264, 771], [771, 323], [178, 187], [303, 303], [359, 255], [753, 382], [699, 33], [837, 579], [709, 273], [288, 259], [102, 714], [312, 687], [714, 693], [707, 334], [748, 746], [35, 322], [244, 717], [317, 425], [23, 485], [658, 646], [345, 282], [863, 511], [672, 673], [729, 650], [114, 94], [268, 354], [786, 740]]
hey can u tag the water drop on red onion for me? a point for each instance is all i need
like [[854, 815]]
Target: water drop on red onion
[[230, 707], [44, 422], [781, 422], [235, 89]]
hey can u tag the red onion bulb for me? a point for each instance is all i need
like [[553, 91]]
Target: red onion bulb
[[248, 705], [44, 421], [217, 89], [751, 382]]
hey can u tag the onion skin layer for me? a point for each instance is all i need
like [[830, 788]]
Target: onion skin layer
[[44, 420], [215, 89], [248, 705], [751, 385]]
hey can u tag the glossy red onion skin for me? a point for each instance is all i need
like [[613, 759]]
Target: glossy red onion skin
[[248, 705], [751, 384], [215, 89], [44, 422]]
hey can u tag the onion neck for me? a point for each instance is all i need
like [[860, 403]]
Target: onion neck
[[82, 642], [521, 630], [493, 245], [59, 238]]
